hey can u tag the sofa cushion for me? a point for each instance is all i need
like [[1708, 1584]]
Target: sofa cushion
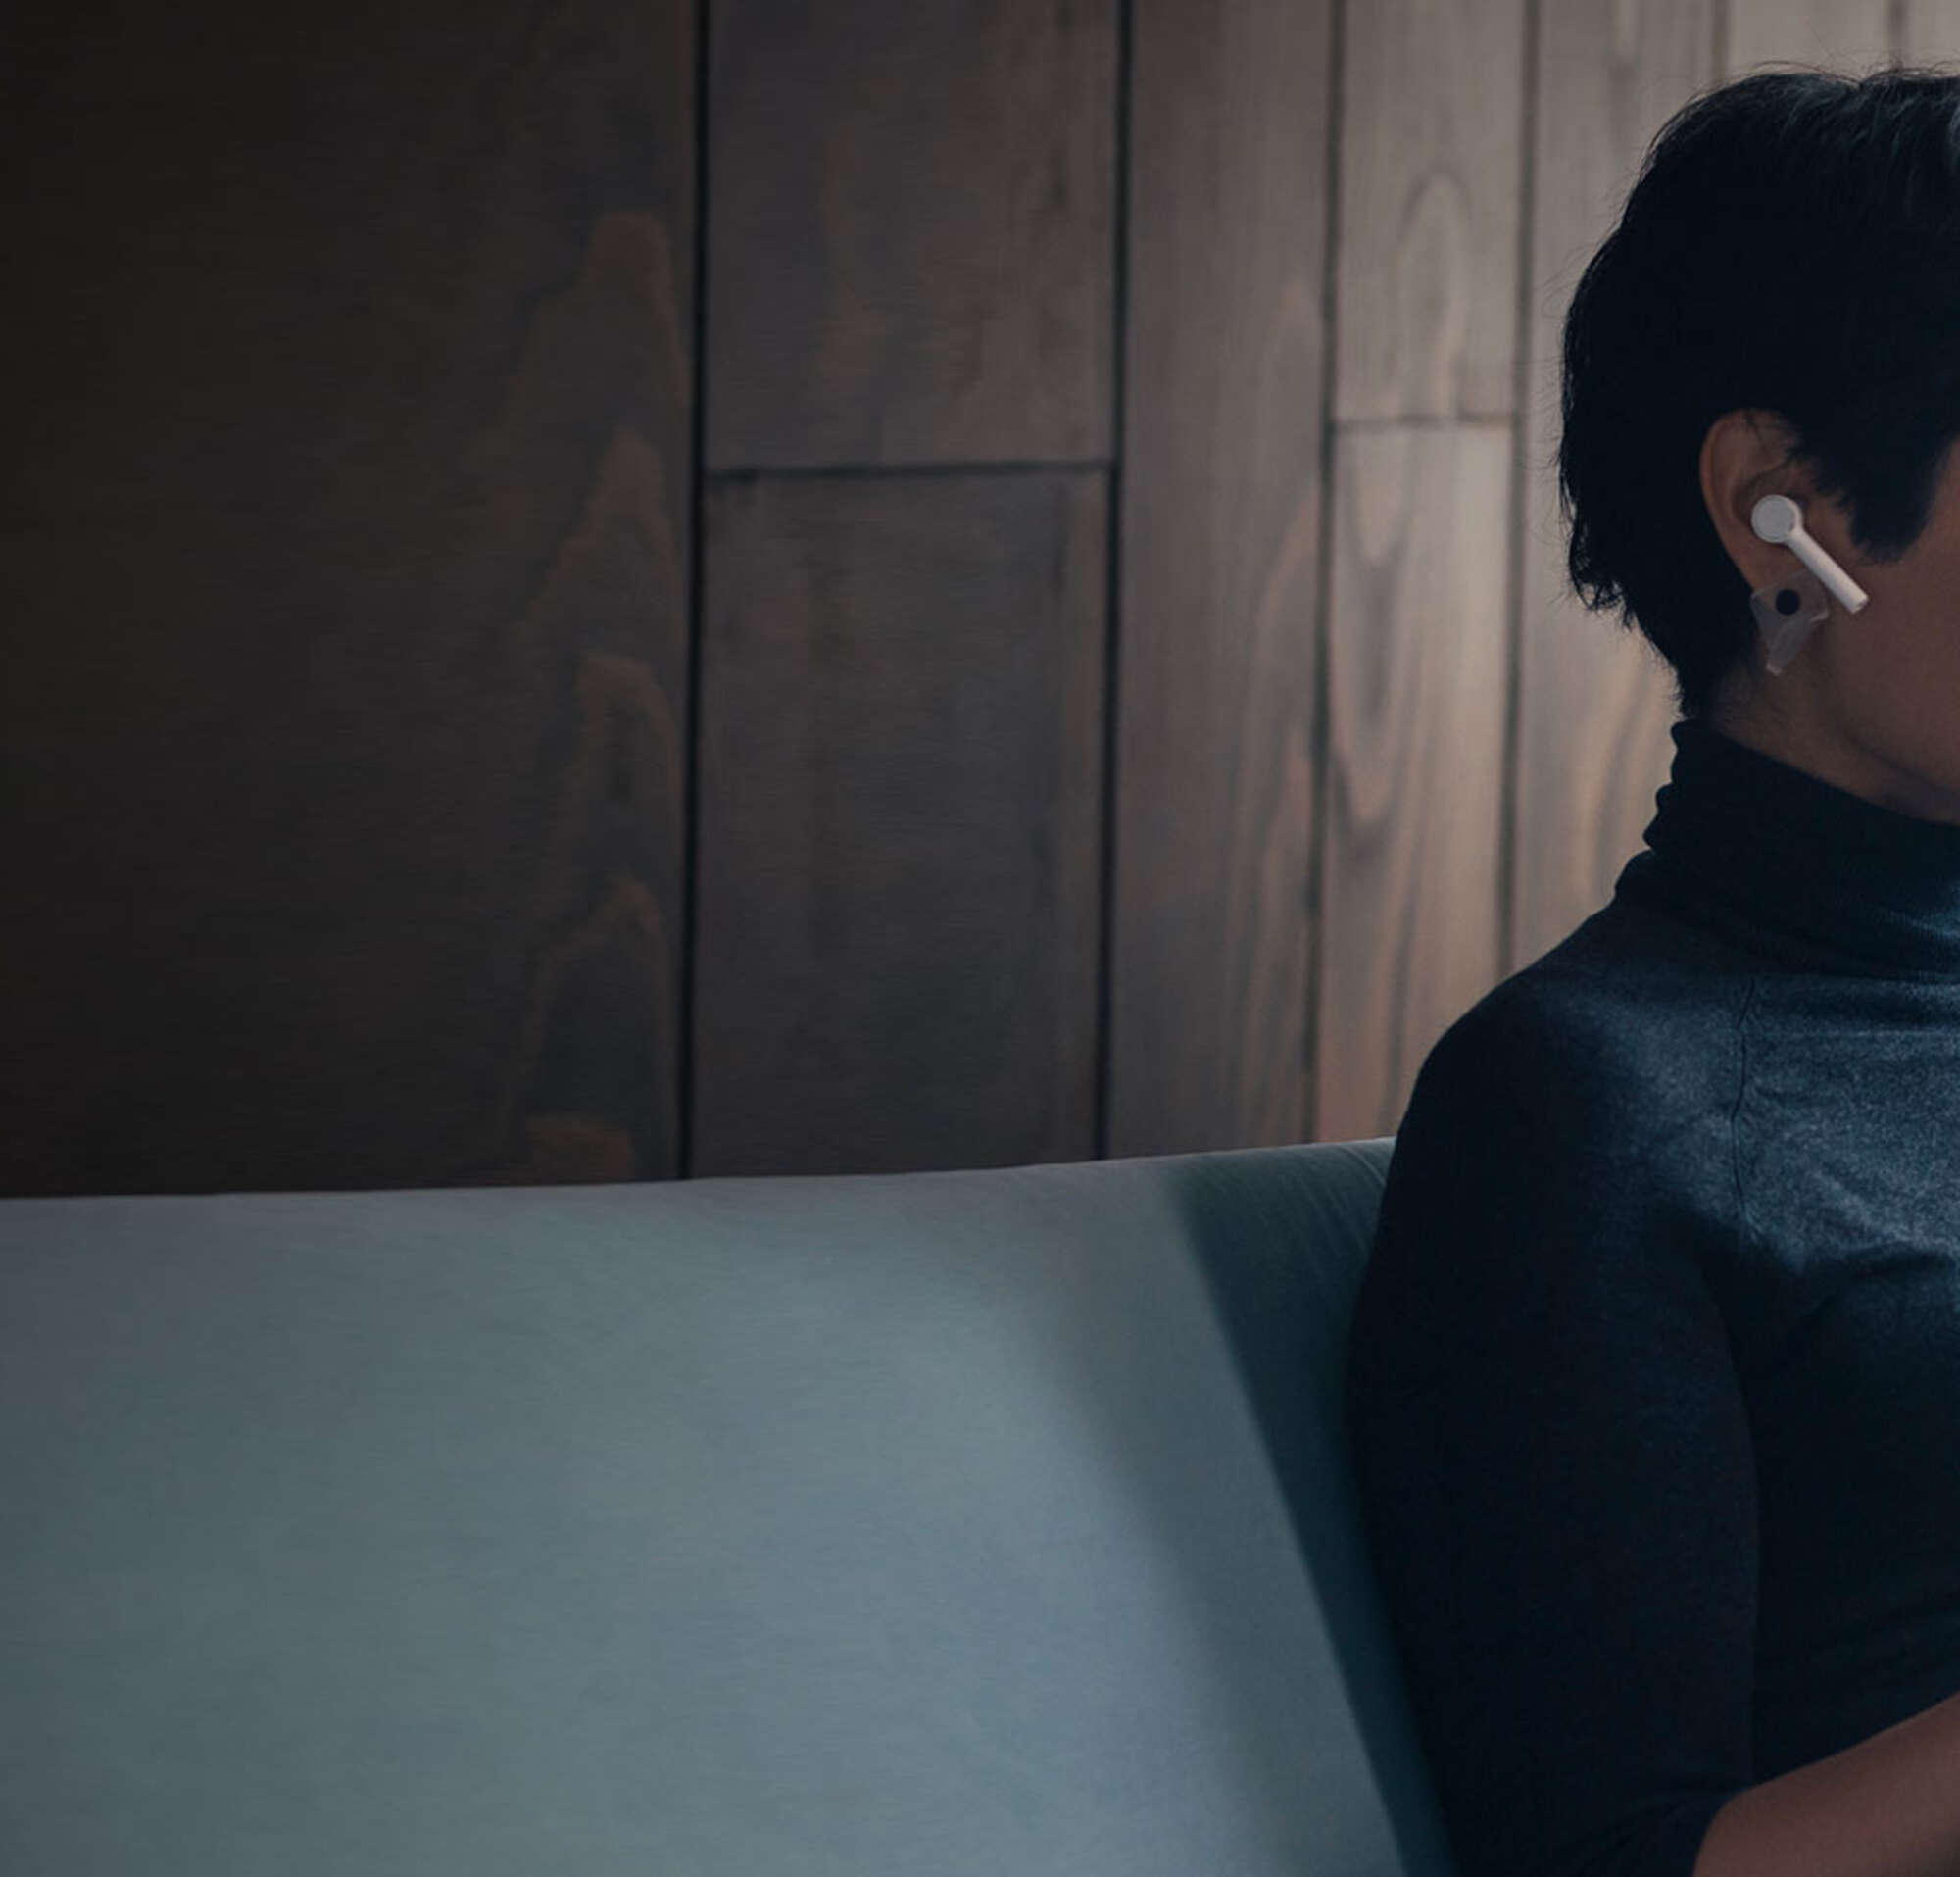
[[956, 1522]]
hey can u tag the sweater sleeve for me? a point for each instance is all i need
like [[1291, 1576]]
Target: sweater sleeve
[[1555, 1468]]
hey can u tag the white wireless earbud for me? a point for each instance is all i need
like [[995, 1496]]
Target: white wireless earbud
[[1775, 517]]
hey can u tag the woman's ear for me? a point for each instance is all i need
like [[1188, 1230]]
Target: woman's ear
[[1744, 456]]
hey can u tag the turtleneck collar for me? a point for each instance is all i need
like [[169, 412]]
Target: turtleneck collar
[[1796, 868]]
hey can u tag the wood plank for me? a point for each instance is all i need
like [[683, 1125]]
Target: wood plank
[[900, 776], [1418, 662], [1929, 31], [1595, 699], [1220, 572], [1418, 631], [911, 244], [1431, 153], [1847, 35], [346, 556]]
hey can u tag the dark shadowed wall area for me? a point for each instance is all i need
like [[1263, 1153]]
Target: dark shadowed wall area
[[625, 589]]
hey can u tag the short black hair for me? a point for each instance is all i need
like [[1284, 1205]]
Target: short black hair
[[1791, 244]]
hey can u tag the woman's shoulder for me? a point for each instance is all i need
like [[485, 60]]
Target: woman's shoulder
[[1598, 1066], [1567, 1138]]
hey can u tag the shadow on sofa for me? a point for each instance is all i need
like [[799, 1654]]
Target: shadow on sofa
[[953, 1522]]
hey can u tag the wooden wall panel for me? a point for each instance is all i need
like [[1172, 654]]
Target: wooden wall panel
[[1220, 572], [901, 819], [911, 251], [344, 548], [1430, 162], [1594, 700], [1419, 628], [1929, 31], [1847, 35], [1418, 666], [343, 557]]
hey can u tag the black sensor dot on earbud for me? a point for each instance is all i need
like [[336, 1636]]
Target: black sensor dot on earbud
[[1788, 600]]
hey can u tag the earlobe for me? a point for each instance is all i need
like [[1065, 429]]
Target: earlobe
[[1787, 612]]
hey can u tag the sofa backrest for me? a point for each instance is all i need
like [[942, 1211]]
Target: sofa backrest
[[868, 1527]]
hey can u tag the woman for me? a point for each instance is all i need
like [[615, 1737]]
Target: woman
[[1654, 1382]]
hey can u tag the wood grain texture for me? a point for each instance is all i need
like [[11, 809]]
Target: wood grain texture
[[910, 253], [901, 814], [1847, 35], [1220, 566], [1431, 157], [1928, 31], [1594, 700], [1418, 663], [345, 569]]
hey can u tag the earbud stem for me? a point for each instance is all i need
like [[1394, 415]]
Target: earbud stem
[[1844, 589]]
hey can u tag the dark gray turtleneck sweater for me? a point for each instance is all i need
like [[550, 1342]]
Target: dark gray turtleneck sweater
[[1654, 1382]]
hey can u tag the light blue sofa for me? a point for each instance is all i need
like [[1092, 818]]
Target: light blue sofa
[[938, 1524]]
